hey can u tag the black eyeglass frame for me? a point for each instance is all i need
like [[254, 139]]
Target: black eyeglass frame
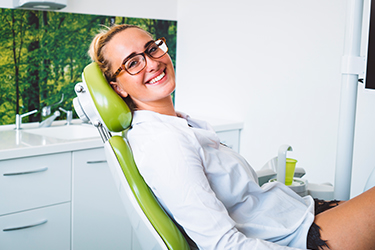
[[146, 52]]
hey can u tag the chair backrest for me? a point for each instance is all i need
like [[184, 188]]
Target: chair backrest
[[98, 102]]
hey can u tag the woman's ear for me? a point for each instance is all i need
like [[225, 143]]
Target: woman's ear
[[120, 91]]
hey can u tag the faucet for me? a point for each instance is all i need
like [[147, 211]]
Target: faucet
[[47, 122], [69, 115], [46, 111], [281, 162], [19, 118]]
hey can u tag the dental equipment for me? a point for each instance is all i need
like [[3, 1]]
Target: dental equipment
[[97, 102], [275, 170], [281, 162]]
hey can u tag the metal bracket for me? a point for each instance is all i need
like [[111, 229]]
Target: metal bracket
[[104, 133], [353, 65]]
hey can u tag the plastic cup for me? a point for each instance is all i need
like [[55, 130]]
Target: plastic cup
[[290, 167]]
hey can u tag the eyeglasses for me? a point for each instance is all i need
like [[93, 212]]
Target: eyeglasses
[[135, 63]]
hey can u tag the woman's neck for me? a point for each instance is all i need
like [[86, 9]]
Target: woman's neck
[[164, 107]]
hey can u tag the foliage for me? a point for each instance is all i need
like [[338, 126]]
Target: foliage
[[43, 53]]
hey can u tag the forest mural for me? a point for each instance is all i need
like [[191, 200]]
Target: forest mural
[[43, 53]]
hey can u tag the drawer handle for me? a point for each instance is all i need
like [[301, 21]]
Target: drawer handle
[[24, 227], [27, 172], [95, 162]]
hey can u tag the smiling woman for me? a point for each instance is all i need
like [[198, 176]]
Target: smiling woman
[[145, 78]]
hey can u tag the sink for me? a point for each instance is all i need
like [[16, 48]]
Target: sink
[[72, 132]]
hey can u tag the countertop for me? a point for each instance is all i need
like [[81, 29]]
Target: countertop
[[26, 142], [31, 140]]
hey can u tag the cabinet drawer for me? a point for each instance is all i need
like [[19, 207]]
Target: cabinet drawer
[[32, 182], [43, 228]]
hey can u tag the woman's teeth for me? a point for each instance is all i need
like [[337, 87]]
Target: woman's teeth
[[158, 78]]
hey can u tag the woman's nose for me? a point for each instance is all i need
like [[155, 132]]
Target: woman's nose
[[151, 64]]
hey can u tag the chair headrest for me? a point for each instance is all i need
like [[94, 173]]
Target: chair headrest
[[100, 103]]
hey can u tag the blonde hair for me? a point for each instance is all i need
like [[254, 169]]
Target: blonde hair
[[98, 44], [97, 53]]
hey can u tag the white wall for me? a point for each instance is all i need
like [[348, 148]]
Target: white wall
[[273, 64], [276, 66]]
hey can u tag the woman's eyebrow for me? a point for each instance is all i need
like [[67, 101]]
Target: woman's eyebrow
[[129, 56], [134, 53], [148, 43]]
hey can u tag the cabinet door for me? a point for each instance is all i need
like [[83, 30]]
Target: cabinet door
[[99, 219], [42, 229]]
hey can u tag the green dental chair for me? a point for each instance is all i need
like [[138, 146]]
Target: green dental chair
[[98, 103]]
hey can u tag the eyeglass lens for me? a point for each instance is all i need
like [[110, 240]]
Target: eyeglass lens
[[136, 63]]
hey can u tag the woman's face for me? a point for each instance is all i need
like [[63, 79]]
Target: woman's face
[[145, 92]]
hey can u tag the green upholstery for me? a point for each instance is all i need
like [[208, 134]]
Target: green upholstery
[[170, 234], [117, 117], [114, 112]]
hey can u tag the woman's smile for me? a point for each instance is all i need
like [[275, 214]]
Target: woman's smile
[[156, 79]]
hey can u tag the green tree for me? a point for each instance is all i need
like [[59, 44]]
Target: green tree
[[30, 93]]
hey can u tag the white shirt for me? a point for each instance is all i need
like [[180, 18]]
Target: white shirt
[[211, 191]]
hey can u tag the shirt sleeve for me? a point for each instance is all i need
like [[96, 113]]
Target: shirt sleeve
[[179, 182]]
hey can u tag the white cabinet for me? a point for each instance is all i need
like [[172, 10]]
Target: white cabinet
[[37, 229], [99, 219], [35, 202], [62, 201]]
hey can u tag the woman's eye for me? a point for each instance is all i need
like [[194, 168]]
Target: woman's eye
[[132, 64], [153, 49]]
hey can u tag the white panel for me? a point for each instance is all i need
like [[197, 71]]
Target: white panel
[[32, 182], [276, 65]]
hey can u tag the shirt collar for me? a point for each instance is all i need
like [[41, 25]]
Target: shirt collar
[[141, 116], [181, 119]]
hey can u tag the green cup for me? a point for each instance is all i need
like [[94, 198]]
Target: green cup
[[290, 166]]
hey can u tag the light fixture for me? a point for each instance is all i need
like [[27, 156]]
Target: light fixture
[[40, 4]]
